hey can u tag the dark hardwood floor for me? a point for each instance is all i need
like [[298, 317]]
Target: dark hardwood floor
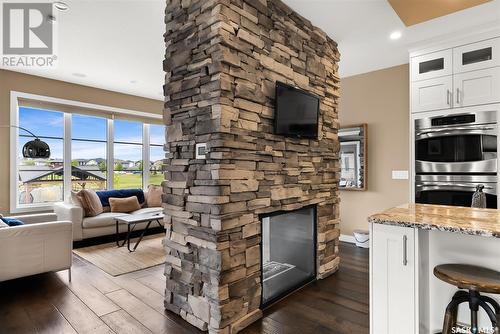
[[95, 302]]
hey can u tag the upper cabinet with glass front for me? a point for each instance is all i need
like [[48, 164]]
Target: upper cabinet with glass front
[[476, 56], [433, 65], [461, 74]]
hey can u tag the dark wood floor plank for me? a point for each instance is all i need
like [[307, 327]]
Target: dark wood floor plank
[[341, 300], [13, 317], [93, 298], [51, 323], [328, 313], [151, 297], [154, 282], [123, 323], [150, 318], [95, 276], [147, 295], [47, 318], [79, 315]]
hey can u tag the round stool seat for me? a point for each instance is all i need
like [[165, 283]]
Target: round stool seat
[[469, 277]]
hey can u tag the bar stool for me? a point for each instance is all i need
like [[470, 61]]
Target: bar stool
[[474, 279]]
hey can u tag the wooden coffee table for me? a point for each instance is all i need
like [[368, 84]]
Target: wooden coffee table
[[132, 221]]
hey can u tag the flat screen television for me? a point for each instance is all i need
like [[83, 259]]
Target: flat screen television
[[296, 113]]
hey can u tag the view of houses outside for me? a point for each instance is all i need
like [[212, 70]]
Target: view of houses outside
[[42, 181]]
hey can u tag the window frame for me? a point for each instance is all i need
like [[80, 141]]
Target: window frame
[[111, 112]]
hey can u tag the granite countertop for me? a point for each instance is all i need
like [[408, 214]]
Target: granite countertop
[[483, 222]]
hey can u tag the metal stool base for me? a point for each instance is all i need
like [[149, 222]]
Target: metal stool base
[[476, 301]]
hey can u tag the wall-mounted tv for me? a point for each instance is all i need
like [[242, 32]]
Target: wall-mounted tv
[[296, 113]]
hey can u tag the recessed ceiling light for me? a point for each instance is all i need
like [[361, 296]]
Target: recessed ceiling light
[[62, 6], [395, 35], [80, 75]]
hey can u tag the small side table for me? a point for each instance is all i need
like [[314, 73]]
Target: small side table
[[132, 221]]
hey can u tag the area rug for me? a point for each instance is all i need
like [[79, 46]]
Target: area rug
[[117, 261]]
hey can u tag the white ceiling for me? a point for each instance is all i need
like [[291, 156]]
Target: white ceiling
[[362, 29], [118, 44]]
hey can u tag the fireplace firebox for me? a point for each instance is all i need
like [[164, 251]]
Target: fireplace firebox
[[288, 252]]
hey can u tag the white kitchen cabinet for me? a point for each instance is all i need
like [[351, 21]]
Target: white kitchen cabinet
[[476, 56], [476, 87], [392, 266], [432, 94], [433, 65], [456, 73]]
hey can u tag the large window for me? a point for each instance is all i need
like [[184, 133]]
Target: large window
[[41, 180], [96, 147]]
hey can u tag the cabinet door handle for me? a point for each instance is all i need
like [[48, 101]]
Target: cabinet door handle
[[458, 96], [405, 251], [448, 96]]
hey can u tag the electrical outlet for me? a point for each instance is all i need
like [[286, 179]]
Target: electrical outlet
[[400, 175], [201, 151]]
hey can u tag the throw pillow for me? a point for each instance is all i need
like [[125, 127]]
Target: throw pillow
[[153, 196], [12, 221], [75, 200], [120, 193], [91, 203], [124, 205]]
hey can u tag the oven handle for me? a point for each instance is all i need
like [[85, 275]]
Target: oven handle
[[461, 167], [455, 131], [453, 186]]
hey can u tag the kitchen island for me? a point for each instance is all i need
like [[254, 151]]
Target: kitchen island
[[407, 242]]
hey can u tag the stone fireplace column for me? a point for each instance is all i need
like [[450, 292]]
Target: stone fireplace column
[[223, 58]]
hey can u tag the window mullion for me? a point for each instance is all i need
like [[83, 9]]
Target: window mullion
[[110, 154], [145, 156], [67, 175], [14, 162]]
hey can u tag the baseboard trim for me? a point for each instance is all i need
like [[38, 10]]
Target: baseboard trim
[[347, 238]]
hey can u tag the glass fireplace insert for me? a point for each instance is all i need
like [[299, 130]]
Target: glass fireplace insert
[[288, 251]]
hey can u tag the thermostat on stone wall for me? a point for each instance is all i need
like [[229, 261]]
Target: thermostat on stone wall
[[201, 151]]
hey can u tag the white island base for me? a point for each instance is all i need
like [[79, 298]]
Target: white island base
[[405, 296]]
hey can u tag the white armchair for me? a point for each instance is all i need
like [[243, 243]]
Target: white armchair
[[73, 213], [41, 245]]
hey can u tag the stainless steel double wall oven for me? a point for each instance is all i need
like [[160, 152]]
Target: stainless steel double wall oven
[[453, 154]]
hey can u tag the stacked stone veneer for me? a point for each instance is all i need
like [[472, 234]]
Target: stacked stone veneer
[[223, 58]]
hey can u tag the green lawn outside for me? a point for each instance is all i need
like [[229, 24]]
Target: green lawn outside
[[126, 181], [156, 179]]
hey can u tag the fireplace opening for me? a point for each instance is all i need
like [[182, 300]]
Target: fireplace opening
[[288, 252]]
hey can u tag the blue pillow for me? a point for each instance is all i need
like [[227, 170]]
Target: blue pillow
[[12, 221], [120, 193]]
